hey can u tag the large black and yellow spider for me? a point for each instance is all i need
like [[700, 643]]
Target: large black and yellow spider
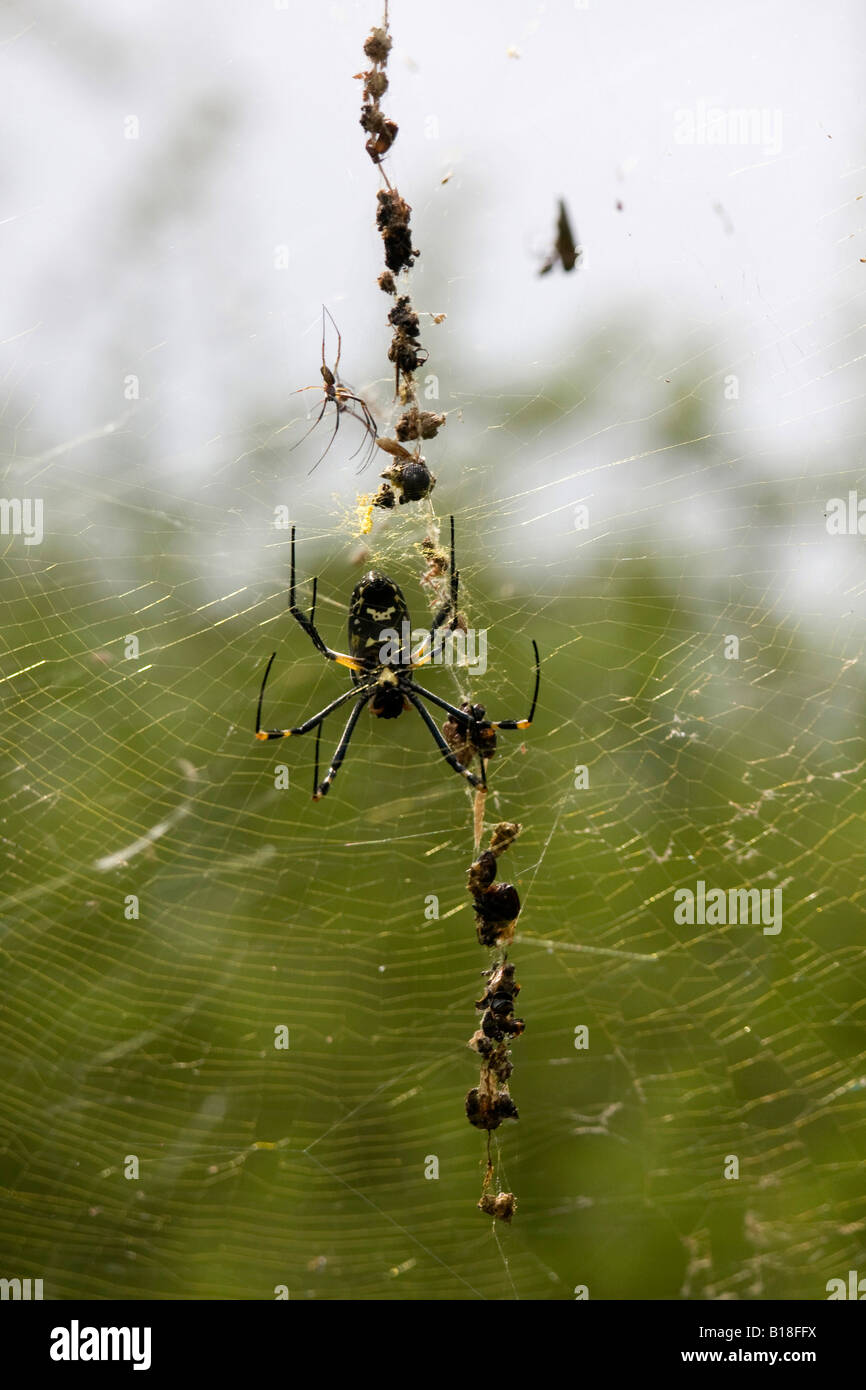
[[377, 606], [338, 394]]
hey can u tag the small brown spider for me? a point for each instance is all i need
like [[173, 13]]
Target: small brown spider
[[337, 393]]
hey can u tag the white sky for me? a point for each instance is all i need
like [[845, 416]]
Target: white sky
[[118, 261]]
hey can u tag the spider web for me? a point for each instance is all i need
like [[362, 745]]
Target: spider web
[[137, 777]]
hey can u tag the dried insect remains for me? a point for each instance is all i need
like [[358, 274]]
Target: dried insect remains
[[409, 480], [490, 1102]]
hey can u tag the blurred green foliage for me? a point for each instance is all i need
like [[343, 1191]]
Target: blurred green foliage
[[154, 1036]]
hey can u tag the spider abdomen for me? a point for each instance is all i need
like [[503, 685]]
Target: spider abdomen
[[377, 614]]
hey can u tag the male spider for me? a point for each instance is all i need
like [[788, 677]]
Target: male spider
[[337, 393], [377, 606]]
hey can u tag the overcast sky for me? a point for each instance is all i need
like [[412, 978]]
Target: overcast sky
[[155, 255]]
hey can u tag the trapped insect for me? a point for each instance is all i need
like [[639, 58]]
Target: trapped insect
[[338, 394], [409, 473], [377, 605], [566, 249]]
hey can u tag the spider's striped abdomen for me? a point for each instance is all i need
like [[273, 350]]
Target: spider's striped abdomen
[[377, 614]]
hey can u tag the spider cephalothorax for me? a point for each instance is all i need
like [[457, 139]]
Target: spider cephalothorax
[[382, 675], [388, 700]]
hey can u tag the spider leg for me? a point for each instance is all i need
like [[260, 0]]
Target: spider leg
[[368, 454], [262, 693], [523, 723], [455, 714], [368, 419], [443, 704], [330, 441], [448, 607], [494, 723], [449, 757], [309, 626], [316, 762], [455, 577], [372, 430], [446, 610], [363, 436], [365, 418], [315, 422], [372, 436], [339, 340], [318, 719], [324, 785], [315, 721]]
